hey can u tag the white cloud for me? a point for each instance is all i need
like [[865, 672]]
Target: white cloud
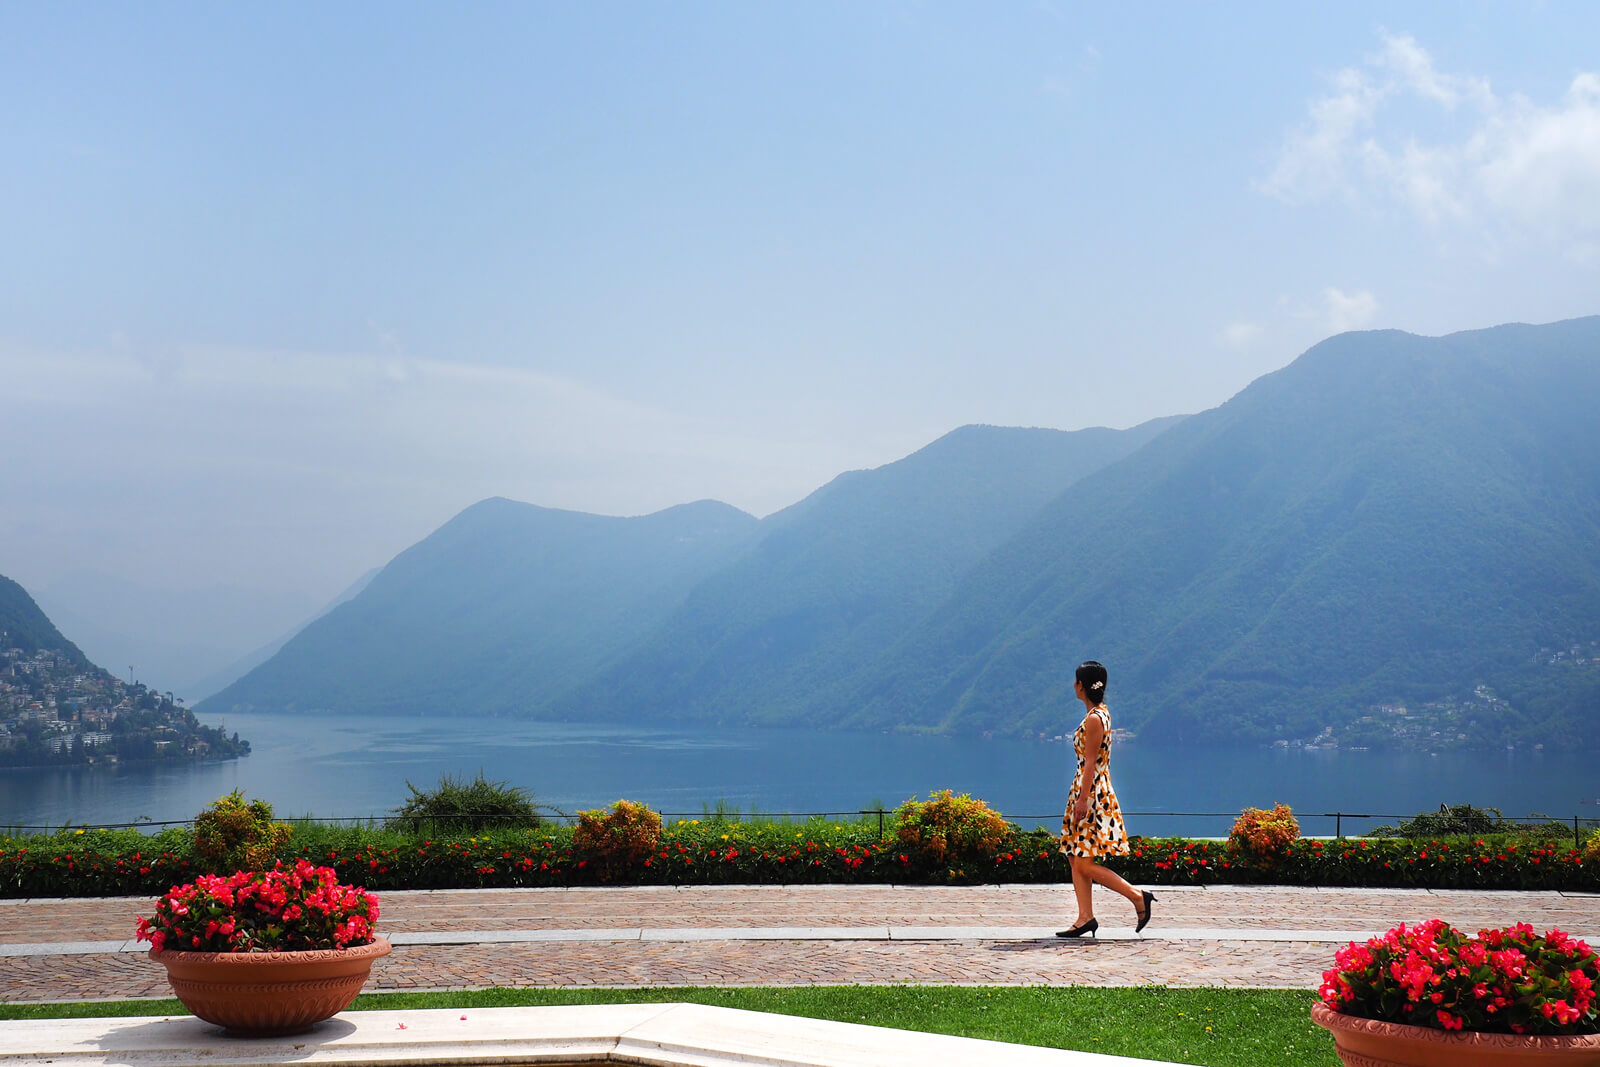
[[1241, 335], [1314, 160], [1412, 68], [1543, 165], [382, 413], [1509, 166], [1348, 311]]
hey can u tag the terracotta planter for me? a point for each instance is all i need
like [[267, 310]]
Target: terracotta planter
[[1372, 1043], [262, 993]]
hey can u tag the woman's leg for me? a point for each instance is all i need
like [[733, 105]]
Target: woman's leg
[[1083, 888], [1113, 881], [1116, 883]]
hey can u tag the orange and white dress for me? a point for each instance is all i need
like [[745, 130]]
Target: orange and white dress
[[1102, 833]]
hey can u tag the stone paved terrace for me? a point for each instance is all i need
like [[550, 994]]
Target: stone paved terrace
[[801, 935]]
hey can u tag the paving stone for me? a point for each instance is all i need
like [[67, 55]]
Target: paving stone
[[1213, 936]]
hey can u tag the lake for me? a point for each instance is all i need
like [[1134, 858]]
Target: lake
[[347, 765]]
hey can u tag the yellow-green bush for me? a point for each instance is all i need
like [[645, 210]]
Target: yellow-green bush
[[232, 835], [620, 837], [950, 830], [1264, 835]]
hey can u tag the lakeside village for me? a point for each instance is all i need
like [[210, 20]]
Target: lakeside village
[[1431, 726], [54, 712], [1447, 724]]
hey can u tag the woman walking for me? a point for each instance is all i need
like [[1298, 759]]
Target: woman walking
[[1092, 826]]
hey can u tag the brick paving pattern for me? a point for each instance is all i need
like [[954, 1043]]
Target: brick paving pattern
[[1220, 962]]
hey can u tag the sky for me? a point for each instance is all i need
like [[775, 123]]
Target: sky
[[282, 289]]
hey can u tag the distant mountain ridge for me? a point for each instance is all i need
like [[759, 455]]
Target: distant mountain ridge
[[1391, 520], [499, 611], [511, 608], [1395, 540]]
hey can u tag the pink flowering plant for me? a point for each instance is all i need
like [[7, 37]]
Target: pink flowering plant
[[1502, 981], [282, 910]]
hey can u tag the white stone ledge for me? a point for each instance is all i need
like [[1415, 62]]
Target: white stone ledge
[[653, 1035]]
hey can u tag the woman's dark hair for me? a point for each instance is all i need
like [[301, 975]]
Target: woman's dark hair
[[1093, 677]]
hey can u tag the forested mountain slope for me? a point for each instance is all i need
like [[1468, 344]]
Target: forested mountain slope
[[26, 627], [834, 580], [1390, 520]]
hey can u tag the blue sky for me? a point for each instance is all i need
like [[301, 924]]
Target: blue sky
[[284, 288]]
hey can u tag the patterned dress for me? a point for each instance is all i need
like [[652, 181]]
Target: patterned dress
[[1102, 833]]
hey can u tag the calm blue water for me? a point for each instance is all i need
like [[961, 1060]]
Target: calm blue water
[[353, 765]]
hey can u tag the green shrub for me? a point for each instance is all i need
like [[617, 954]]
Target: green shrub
[[231, 835], [457, 804], [625, 836], [1447, 821], [1468, 821], [1552, 830], [950, 830], [1591, 849]]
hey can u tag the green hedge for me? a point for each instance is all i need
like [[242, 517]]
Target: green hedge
[[715, 851]]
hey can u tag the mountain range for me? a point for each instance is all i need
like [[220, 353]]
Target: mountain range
[[1391, 540], [831, 583], [515, 609]]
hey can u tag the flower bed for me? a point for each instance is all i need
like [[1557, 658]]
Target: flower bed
[[95, 863], [718, 851]]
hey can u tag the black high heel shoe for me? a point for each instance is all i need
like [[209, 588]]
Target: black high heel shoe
[[1144, 915], [1078, 931]]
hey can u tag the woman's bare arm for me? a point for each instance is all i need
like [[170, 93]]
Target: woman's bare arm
[[1094, 732]]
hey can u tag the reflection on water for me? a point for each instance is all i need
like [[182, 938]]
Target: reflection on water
[[341, 765]]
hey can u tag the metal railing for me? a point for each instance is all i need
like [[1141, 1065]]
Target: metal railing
[[1577, 822]]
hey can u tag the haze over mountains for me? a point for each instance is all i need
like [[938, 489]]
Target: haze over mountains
[[176, 637], [219, 679], [499, 611], [1376, 541]]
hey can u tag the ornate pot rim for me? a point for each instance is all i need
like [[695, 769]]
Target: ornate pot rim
[[378, 946], [1459, 1041]]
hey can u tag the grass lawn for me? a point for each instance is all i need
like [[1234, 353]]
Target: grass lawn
[[1222, 1027]]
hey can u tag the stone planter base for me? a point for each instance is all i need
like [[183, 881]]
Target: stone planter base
[[269, 993]]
